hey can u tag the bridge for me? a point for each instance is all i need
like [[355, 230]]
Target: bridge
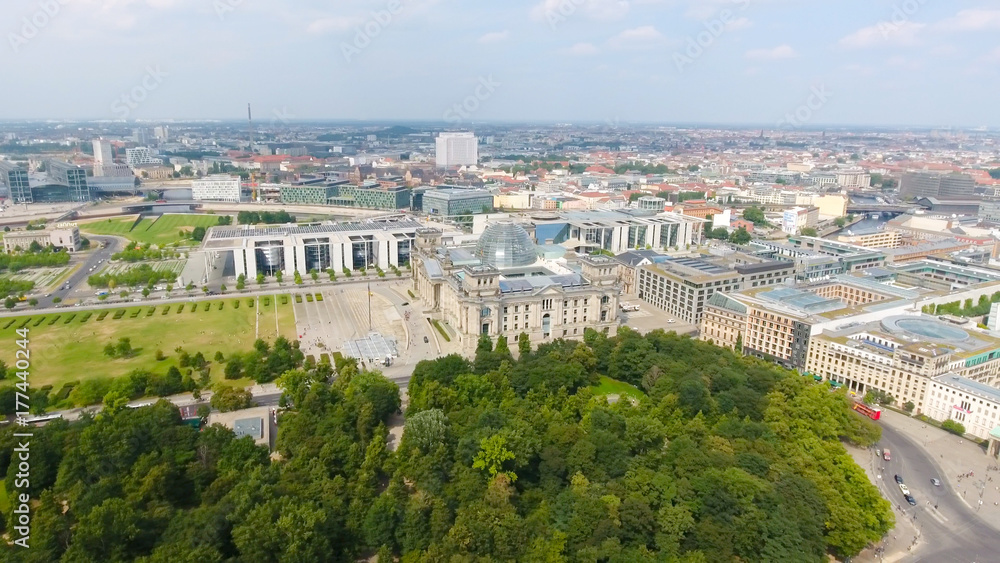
[[876, 208]]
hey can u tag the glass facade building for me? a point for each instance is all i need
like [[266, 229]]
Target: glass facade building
[[15, 179], [73, 177]]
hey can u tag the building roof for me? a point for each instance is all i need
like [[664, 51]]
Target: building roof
[[219, 233], [973, 388], [253, 427]]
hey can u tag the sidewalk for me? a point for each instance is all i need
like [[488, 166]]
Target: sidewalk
[[956, 456]]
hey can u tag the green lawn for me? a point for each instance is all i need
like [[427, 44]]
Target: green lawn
[[63, 352], [159, 231], [608, 386]]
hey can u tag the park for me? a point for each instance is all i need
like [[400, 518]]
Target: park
[[66, 346]]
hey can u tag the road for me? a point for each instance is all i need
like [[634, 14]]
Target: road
[[952, 532], [93, 259]]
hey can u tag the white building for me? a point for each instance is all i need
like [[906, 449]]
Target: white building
[[103, 156], [457, 149], [63, 235], [975, 405], [140, 156], [217, 187], [293, 248]]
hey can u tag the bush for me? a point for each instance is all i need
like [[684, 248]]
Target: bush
[[956, 428]]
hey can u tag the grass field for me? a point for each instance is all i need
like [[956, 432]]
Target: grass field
[[63, 352], [160, 231], [608, 386]]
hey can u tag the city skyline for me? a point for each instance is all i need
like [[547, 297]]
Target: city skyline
[[767, 63]]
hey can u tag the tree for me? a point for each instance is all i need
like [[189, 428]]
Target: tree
[[756, 216], [32, 302], [909, 406], [297, 277], [232, 399], [159, 356], [995, 173], [840, 222], [3, 370], [809, 232], [493, 453], [740, 236], [260, 279], [523, 345], [720, 233], [198, 234], [145, 292], [314, 275], [223, 288], [124, 347], [234, 368], [278, 275], [9, 303], [954, 427]]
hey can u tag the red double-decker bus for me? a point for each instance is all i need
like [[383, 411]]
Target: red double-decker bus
[[873, 413]]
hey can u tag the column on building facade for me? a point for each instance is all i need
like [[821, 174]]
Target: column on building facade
[[240, 262], [300, 257], [251, 260], [336, 256], [289, 250]]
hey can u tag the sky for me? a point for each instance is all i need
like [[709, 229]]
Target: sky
[[793, 63]]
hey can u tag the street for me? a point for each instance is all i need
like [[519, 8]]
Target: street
[[950, 532]]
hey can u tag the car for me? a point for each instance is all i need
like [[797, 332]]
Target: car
[[899, 479], [671, 321], [936, 482], [885, 454], [405, 303], [426, 340], [911, 500], [906, 491]]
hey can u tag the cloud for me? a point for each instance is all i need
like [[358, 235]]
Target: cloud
[[972, 20], [494, 37], [328, 25], [777, 53], [884, 33], [581, 50], [637, 38], [559, 10]]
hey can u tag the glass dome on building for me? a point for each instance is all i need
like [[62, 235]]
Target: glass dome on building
[[506, 245]]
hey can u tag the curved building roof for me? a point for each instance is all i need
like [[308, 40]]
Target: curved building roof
[[506, 245], [925, 328]]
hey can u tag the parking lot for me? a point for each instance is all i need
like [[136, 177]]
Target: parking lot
[[648, 318]]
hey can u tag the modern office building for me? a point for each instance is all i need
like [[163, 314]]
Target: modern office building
[[71, 176], [457, 202], [510, 289], [373, 195], [217, 187], [321, 194], [901, 355], [617, 231], [103, 156], [937, 185], [651, 203], [15, 179], [817, 258], [140, 156], [456, 149], [63, 236], [873, 239], [682, 286], [319, 246]]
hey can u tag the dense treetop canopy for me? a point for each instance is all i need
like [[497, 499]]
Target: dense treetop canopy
[[502, 459]]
